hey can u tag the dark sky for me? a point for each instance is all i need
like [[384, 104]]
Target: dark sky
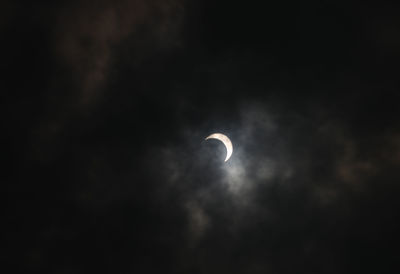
[[106, 104]]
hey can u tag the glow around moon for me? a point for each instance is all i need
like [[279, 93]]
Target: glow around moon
[[225, 140]]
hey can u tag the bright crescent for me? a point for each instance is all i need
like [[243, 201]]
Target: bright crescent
[[226, 141]]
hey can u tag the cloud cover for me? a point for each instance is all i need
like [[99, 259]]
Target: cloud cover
[[107, 107]]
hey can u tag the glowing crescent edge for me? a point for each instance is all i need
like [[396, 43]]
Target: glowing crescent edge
[[226, 141]]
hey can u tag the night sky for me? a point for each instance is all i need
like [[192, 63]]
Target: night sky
[[105, 107]]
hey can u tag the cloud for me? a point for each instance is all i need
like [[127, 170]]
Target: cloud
[[88, 38], [109, 151], [198, 220], [306, 163]]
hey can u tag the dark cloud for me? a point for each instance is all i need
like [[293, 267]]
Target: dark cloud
[[88, 37], [107, 105]]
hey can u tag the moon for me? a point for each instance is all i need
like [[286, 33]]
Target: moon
[[226, 141]]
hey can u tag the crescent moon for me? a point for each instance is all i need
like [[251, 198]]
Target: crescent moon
[[225, 140]]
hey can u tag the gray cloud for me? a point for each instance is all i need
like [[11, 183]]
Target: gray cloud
[[106, 117], [318, 159]]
